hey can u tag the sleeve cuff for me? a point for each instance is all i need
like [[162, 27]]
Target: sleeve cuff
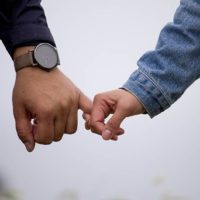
[[147, 92]]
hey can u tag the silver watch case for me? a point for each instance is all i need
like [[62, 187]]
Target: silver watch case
[[45, 56]]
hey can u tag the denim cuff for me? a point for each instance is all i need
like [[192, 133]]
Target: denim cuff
[[26, 34], [147, 92]]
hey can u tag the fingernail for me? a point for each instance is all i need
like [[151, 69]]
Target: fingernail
[[107, 134], [29, 147]]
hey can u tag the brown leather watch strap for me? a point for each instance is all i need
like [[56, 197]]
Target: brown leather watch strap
[[23, 61]]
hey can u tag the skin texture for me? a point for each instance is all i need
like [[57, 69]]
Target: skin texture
[[45, 105], [121, 104]]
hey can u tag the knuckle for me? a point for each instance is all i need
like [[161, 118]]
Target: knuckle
[[71, 130], [58, 136], [43, 140], [95, 131], [47, 142], [92, 123], [57, 139], [22, 137], [71, 127], [98, 97], [45, 110], [64, 104], [111, 125], [93, 128]]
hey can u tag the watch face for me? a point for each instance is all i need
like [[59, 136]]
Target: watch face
[[46, 56]]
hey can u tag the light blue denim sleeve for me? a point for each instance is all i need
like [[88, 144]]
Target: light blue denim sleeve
[[165, 73]]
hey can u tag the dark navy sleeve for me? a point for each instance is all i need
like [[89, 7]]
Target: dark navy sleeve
[[22, 23]]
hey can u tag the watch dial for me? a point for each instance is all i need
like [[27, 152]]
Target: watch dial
[[46, 56]]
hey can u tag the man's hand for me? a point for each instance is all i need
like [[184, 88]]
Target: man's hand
[[120, 103], [45, 106]]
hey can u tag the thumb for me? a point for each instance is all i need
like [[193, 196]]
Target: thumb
[[112, 127], [24, 129], [85, 104]]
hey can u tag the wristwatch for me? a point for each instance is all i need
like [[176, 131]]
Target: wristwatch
[[43, 56]]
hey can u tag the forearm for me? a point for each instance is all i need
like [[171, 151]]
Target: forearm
[[165, 73]]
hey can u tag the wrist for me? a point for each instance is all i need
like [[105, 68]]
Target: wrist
[[43, 56], [137, 103]]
